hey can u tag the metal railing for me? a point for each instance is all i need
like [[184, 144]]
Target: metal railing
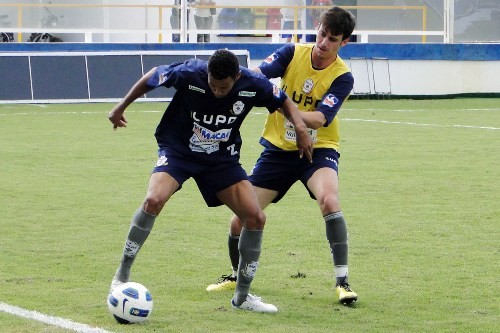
[[156, 22]]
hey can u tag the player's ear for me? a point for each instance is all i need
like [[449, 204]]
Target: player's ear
[[344, 42], [237, 76]]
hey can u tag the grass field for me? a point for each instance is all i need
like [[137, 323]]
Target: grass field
[[420, 184]]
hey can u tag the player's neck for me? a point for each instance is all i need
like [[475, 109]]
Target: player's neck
[[321, 63]]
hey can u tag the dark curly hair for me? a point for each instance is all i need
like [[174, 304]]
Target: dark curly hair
[[338, 21], [223, 64]]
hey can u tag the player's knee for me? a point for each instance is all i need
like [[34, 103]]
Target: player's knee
[[255, 222], [235, 227], [153, 205], [329, 203], [260, 220]]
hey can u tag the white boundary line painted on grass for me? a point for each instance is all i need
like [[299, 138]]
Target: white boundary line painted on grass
[[420, 110], [51, 320], [419, 124], [262, 113], [47, 113]]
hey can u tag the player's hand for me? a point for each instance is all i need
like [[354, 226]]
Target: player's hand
[[117, 118], [304, 144]]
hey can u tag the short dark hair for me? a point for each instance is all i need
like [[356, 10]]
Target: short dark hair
[[338, 21], [223, 64]]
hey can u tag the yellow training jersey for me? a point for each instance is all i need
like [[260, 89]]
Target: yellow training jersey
[[311, 90]]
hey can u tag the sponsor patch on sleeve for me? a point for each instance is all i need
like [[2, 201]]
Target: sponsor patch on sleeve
[[270, 58], [276, 91], [162, 78], [330, 100]]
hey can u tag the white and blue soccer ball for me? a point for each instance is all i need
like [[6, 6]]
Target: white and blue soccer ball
[[130, 303]]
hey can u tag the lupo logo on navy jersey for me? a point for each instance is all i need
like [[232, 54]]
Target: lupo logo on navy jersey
[[210, 119]]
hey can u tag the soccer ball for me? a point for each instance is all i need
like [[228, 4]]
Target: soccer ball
[[130, 302]]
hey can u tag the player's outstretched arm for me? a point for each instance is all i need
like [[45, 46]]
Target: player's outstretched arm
[[313, 119], [116, 116], [304, 142]]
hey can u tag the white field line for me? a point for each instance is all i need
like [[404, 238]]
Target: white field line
[[412, 124], [50, 320], [420, 110], [68, 112], [264, 113], [420, 124]]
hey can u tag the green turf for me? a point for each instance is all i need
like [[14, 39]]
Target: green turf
[[420, 187]]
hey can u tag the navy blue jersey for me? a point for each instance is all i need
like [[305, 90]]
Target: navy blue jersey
[[199, 126]]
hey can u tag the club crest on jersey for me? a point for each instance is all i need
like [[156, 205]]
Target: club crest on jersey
[[308, 85], [270, 58], [330, 100], [238, 108]]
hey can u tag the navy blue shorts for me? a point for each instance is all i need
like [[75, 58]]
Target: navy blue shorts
[[279, 170], [210, 178]]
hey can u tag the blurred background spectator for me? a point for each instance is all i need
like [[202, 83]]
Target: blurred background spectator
[[313, 17], [175, 20], [290, 15], [203, 19]]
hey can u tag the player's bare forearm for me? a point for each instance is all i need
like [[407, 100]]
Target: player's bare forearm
[[138, 89], [313, 119], [292, 113], [116, 116], [303, 140]]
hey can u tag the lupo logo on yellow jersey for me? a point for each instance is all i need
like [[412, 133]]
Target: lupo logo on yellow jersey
[[302, 100]]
